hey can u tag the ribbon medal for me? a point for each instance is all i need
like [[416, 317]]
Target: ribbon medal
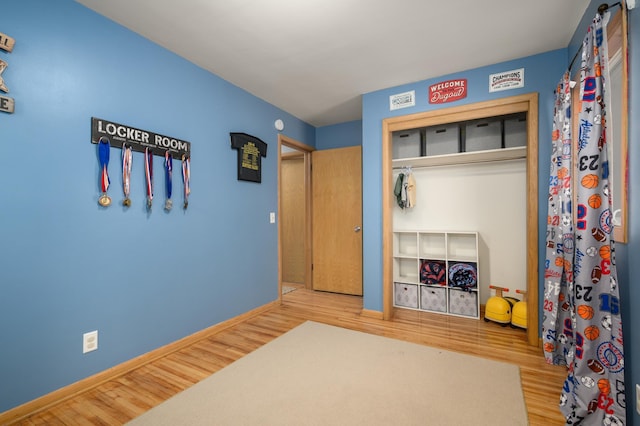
[[103, 154], [126, 174], [186, 178], [148, 171], [168, 164]]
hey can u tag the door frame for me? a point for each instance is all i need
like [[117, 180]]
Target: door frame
[[306, 153], [527, 103]]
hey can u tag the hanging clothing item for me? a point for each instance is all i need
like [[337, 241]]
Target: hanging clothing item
[[590, 337], [558, 275], [397, 190], [411, 190]]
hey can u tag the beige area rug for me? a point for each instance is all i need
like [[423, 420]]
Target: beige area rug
[[318, 374]]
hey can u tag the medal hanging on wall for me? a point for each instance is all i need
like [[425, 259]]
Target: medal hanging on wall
[[103, 154], [148, 171], [126, 174], [168, 164], [186, 178]]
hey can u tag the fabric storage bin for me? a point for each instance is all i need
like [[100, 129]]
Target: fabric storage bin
[[515, 132], [406, 144], [441, 140], [405, 295], [433, 299], [482, 135], [463, 302]]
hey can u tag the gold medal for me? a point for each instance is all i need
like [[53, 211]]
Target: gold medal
[[104, 200], [126, 202]]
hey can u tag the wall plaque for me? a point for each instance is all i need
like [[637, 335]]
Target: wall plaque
[[119, 134]]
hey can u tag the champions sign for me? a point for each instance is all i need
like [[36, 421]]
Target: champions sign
[[506, 80], [119, 134], [448, 91]]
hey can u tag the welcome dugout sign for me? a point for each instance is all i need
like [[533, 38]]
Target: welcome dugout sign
[[138, 140]]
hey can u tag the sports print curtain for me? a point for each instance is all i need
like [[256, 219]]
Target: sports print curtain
[[582, 327]]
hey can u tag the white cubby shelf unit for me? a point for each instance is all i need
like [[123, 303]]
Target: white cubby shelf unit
[[436, 271]]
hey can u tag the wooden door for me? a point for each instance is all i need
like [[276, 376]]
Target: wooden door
[[337, 219]]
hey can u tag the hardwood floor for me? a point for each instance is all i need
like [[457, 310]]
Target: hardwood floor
[[128, 396]]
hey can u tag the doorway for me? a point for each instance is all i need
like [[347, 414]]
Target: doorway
[[294, 225]]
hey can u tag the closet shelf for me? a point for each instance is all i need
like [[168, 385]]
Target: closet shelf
[[463, 158]]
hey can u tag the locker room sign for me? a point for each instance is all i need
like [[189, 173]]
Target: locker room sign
[[139, 140]]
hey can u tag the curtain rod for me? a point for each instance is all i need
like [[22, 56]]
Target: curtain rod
[[601, 10]]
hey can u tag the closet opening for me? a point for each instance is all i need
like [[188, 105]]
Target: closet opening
[[456, 137]]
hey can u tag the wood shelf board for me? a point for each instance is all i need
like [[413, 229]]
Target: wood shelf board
[[489, 155]]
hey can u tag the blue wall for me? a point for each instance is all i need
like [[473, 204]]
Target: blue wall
[[542, 73], [339, 135], [68, 266]]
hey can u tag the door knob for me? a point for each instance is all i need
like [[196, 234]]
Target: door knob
[[357, 229]]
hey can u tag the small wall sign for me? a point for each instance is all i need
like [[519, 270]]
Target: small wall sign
[[250, 153], [448, 91], [402, 100], [506, 80]]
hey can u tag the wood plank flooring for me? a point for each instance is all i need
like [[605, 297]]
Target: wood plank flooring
[[128, 396]]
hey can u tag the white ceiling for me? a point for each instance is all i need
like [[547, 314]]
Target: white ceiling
[[315, 58]]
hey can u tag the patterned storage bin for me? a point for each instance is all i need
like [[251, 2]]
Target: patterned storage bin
[[463, 303], [405, 295], [433, 299]]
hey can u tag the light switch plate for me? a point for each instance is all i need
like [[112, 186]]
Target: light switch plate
[[272, 217]]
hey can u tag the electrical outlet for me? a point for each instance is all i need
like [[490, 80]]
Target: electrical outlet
[[272, 217], [89, 341]]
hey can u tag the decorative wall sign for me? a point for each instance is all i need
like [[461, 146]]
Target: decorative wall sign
[[6, 42], [506, 80], [3, 66], [448, 91], [250, 153], [6, 104], [139, 140], [402, 100]]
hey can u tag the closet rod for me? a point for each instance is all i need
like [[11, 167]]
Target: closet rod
[[601, 10]]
